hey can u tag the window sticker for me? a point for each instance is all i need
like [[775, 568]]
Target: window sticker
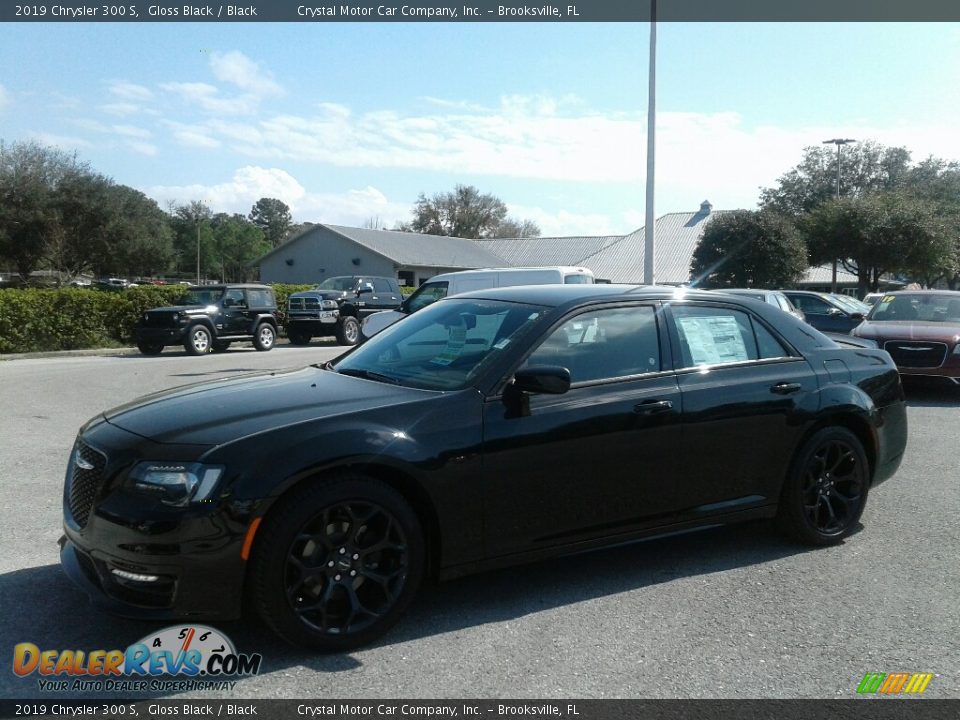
[[713, 340], [888, 299], [456, 341]]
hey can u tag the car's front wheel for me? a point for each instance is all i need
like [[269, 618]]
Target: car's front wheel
[[336, 563], [348, 330], [264, 337], [826, 488], [198, 340]]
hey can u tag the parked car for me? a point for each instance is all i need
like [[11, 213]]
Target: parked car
[[489, 429], [921, 331], [446, 284], [824, 311], [871, 298], [210, 318], [771, 297], [337, 306], [851, 303]]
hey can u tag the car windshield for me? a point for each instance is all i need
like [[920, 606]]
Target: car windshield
[[446, 346], [924, 307], [202, 296], [337, 283]]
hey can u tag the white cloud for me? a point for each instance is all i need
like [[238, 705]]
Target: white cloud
[[121, 108], [64, 142], [562, 223], [5, 99], [130, 91], [143, 148], [131, 131], [208, 98], [248, 185], [237, 69]]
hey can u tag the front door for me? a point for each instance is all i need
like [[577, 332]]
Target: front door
[[596, 460]]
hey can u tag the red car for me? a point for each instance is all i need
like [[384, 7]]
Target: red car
[[920, 329]]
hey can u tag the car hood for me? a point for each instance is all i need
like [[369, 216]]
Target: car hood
[[178, 308], [908, 330], [221, 411], [322, 294]]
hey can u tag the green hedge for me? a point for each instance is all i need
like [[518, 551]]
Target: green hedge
[[35, 320]]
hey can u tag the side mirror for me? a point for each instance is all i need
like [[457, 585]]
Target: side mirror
[[859, 317], [365, 288], [542, 379], [229, 302], [836, 312]]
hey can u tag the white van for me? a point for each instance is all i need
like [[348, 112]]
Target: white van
[[440, 286]]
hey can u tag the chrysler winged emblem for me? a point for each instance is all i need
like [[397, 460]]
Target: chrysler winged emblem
[[83, 464]]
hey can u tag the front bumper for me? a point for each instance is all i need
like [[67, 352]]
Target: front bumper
[[160, 336]]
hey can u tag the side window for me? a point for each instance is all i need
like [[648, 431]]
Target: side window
[[425, 295], [381, 285], [603, 344], [811, 305], [713, 336], [767, 345], [234, 298], [261, 298]]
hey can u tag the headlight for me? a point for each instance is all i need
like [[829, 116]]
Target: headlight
[[176, 484], [956, 348], [329, 304]]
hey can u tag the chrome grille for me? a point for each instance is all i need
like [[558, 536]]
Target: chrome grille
[[304, 303], [916, 354], [84, 481]]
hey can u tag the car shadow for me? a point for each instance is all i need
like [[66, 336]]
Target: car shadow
[[931, 392], [48, 611]]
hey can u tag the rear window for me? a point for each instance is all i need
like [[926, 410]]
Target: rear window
[[261, 298], [578, 279]]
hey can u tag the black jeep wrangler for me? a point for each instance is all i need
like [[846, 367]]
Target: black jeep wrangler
[[337, 305], [210, 318]]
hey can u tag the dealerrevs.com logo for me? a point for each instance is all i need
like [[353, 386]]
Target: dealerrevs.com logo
[[894, 683], [178, 658]]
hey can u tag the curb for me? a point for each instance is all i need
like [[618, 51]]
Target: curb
[[90, 352]]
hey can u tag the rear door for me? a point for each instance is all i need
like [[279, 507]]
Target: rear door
[[601, 458], [745, 393]]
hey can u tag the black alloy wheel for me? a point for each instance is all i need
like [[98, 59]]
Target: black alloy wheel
[[826, 491], [337, 563], [348, 330], [147, 348], [198, 340]]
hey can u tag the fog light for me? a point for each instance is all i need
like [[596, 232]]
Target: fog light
[[135, 577]]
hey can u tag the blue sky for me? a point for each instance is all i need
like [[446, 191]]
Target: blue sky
[[346, 122]]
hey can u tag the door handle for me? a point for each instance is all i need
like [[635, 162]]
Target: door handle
[[653, 407], [785, 388]]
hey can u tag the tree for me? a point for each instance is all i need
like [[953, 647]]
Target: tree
[[865, 167], [517, 229], [30, 175], [272, 217], [140, 235], [879, 233], [464, 213], [748, 248], [237, 242], [193, 235]]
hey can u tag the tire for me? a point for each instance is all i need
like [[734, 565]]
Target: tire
[[348, 330], [264, 337], [336, 563], [826, 488], [198, 340], [221, 346], [149, 348], [298, 337]]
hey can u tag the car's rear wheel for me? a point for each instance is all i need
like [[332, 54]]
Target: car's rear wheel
[[826, 488], [348, 330], [264, 337], [198, 340], [298, 337], [220, 346], [336, 563], [149, 348]]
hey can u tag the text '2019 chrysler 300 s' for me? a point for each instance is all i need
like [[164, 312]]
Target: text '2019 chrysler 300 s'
[[488, 429]]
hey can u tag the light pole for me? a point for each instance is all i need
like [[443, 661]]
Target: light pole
[[649, 278], [839, 142]]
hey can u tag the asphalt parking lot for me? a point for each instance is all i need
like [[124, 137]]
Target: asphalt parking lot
[[730, 612]]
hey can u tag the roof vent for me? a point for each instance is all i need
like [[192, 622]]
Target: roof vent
[[705, 207]]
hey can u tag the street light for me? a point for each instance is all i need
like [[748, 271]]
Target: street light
[[839, 142], [649, 277]]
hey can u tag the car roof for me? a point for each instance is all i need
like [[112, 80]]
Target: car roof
[[223, 286], [563, 297]]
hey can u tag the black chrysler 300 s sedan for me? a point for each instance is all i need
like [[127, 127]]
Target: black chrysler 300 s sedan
[[491, 428]]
